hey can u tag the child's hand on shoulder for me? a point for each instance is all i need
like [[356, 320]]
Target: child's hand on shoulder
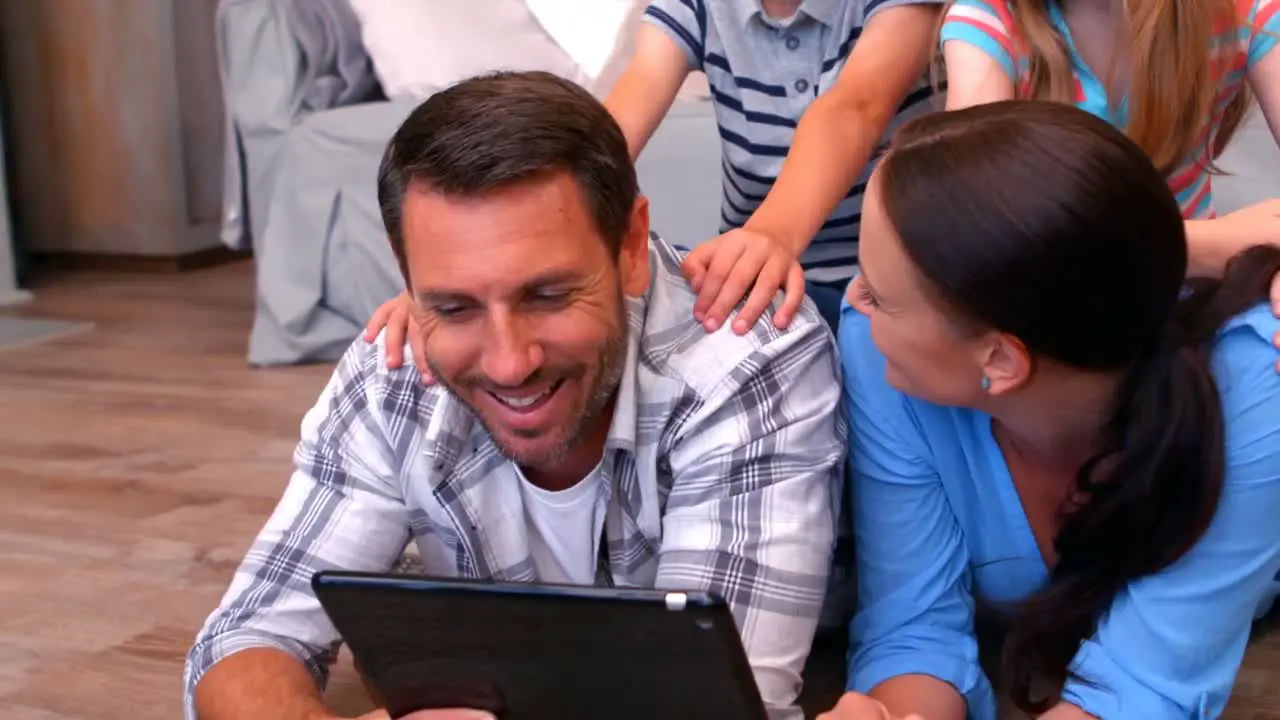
[[748, 267]]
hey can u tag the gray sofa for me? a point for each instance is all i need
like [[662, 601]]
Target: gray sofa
[[307, 123]]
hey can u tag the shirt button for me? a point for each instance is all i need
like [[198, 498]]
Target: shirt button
[[802, 85], [793, 42]]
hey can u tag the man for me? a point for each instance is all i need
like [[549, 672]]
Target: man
[[582, 428]]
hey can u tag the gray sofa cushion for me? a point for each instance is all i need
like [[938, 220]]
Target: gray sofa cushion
[[279, 61], [323, 262]]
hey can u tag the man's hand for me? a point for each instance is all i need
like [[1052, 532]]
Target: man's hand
[[856, 706], [459, 714], [723, 270], [395, 315]]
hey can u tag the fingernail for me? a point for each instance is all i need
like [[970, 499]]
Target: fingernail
[[739, 327], [699, 316], [711, 325]]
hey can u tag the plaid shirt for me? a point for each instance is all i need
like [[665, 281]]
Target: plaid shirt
[[723, 466]]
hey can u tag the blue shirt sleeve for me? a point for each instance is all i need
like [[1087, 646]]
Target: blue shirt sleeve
[[1172, 642], [915, 609], [685, 22], [1263, 29]]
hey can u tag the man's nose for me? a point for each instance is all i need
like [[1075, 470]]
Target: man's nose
[[511, 355]]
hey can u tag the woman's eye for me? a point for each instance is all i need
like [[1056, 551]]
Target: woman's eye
[[865, 296]]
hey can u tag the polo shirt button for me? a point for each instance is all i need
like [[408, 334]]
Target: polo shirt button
[[793, 42], [802, 85]]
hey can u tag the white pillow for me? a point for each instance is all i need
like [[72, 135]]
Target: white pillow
[[419, 47], [598, 34]]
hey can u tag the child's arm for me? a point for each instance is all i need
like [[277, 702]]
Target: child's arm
[[833, 143], [1212, 243], [840, 130], [644, 93]]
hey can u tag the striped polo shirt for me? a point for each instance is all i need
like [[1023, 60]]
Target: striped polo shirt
[[989, 26], [763, 73]]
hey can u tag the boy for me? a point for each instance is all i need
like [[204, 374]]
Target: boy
[[805, 90]]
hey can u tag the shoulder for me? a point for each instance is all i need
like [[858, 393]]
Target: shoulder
[[1243, 361], [364, 396], [985, 26], [993, 17], [675, 346], [876, 408], [857, 12], [687, 17], [1259, 31], [863, 370], [1257, 14]]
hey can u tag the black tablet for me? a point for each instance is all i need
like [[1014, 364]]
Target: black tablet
[[526, 652]]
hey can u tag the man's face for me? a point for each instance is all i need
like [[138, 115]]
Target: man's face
[[522, 310]]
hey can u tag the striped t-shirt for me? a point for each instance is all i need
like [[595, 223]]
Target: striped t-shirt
[[763, 73], [989, 26]]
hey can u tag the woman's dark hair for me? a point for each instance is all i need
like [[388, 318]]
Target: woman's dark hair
[[1044, 222], [499, 129]]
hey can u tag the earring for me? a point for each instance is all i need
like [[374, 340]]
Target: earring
[[986, 383]]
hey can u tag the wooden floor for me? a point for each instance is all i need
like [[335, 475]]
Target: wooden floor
[[136, 462]]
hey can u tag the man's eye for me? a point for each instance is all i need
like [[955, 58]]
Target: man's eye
[[550, 297], [448, 311]]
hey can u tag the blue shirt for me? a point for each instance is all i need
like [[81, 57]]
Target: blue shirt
[[763, 74], [938, 523]]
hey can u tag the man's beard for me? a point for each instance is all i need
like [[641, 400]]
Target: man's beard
[[611, 363]]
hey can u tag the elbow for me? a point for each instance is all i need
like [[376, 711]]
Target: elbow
[[951, 657], [212, 649]]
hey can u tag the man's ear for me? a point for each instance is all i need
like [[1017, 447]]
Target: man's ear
[[633, 255]]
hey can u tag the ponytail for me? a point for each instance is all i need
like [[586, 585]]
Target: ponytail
[[1149, 493]]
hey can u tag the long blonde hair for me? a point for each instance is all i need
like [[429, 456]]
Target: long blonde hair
[[1174, 73]]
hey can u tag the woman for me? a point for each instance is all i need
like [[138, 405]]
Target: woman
[[1176, 76], [1044, 424]]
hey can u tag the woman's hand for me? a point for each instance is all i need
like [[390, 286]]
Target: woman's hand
[[722, 271], [397, 317], [856, 706]]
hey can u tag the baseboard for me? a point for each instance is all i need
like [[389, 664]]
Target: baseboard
[[112, 262], [14, 297]]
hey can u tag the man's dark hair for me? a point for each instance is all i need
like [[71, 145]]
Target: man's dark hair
[[499, 129]]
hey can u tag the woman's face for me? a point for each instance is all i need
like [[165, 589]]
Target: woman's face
[[929, 353]]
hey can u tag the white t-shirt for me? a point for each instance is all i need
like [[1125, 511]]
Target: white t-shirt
[[564, 530]]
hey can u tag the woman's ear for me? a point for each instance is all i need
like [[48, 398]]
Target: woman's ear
[[1006, 364]]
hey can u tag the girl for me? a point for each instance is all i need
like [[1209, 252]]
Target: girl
[[1175, 76], [1044, 424]]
